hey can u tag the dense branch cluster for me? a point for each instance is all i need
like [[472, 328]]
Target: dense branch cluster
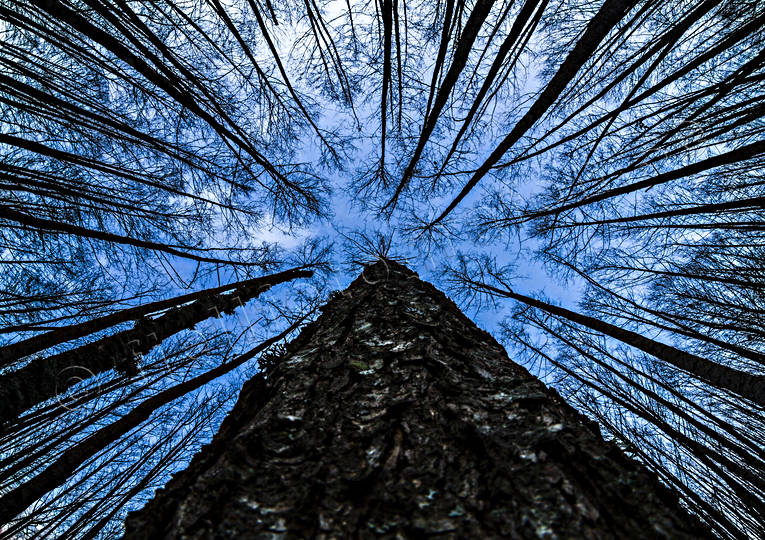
[[148, 150]]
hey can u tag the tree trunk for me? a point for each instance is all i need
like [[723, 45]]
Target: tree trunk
[[45, 378], [394, 415], [744, 384], [15, 351]]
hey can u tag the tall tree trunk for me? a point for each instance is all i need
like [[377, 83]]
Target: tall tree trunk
[[394, 415], [15, 351], [45, 378], [742, 383]]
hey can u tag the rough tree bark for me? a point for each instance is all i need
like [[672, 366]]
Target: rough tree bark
[[394, 415]]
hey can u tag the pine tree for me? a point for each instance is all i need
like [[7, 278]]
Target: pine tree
[[146, 147], [393, 414]]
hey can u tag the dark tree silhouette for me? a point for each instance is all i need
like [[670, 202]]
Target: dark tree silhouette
[[45, 378], [153, 152]]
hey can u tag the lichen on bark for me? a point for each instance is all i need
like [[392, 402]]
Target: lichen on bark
[[394, 415]]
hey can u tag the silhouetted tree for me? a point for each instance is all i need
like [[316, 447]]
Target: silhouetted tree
[[149, 150]]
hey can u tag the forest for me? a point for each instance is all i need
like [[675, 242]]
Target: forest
[[583, 177]]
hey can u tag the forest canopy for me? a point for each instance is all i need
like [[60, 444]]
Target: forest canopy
[[585, 177]]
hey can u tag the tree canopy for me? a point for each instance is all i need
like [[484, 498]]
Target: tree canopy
[[187, 180]]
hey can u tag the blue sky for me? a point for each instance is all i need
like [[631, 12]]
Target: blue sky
[[346, 212]]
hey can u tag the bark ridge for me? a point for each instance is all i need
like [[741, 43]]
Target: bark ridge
[[394, 415]]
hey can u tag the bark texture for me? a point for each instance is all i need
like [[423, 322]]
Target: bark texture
[[394, 415]]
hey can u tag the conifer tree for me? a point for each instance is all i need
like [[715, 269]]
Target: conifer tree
[[393, 414]]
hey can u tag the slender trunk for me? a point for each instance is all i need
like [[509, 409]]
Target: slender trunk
[[743, 205], [446, 30], [45, 378], [167, 81], [721, 522], [610, 13], [387, 20], [743, 384], [461, 52], [57, 227], [508, 44], [15, 351], [90, 163], [14, 502], [394, 415]]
